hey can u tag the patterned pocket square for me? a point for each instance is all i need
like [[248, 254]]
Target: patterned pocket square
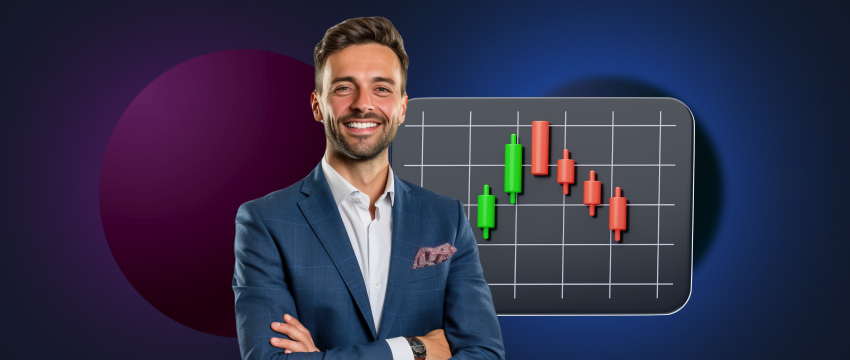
[[432, 256]]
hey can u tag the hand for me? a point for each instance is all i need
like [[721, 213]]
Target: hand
[[301, 340], [436, 345]]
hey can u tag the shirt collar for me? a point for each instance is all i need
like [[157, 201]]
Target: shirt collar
[[340, 188]]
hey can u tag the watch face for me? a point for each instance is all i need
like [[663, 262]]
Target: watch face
[[418, 347]]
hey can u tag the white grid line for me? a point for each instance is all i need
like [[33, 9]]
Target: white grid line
[[554, 165], [563, 244], [518, 126], [563, 212], [469, 177], [566, 284], [658, 230], [653, 205], [422, 154], [516, 208], [611, 186]]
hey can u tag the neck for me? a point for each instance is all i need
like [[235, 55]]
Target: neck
[[368, 176]]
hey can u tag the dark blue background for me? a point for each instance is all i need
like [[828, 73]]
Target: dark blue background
[[768, 83]]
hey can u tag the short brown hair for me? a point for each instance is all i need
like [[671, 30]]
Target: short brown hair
[[364, 30]]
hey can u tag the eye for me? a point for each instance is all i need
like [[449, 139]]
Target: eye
[[341, 89]]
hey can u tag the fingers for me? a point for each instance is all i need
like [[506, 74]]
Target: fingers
[[292, 332], [297, 324], [296, 332], [289, 345]]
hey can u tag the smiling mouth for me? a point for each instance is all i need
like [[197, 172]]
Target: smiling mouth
[[360, 125]]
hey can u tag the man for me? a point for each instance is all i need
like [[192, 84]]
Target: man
[[333, 254]]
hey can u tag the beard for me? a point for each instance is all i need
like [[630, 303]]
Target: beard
[[360, 147]]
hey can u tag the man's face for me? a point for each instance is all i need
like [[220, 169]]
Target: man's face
[[361, 104]]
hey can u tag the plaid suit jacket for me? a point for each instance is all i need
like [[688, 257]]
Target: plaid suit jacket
[[293, 256]]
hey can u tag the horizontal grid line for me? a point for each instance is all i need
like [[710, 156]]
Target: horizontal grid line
[[552, 165], [550, 125], [559, 205], [480, 244], [562, 284]]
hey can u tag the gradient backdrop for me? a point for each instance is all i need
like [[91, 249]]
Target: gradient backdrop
[[766, 82]]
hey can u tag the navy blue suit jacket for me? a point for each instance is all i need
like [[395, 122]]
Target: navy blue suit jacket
[[293, 256]]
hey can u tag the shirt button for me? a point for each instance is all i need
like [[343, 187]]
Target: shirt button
[[377, 285], [357, 200]]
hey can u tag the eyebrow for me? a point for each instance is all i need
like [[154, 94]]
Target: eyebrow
[[374, 79]]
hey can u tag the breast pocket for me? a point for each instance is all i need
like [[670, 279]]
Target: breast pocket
[[432, 272], [425, 296]]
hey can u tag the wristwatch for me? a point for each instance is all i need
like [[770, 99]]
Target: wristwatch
[[417, 346]]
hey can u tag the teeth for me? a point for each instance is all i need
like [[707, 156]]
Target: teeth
[[359, 125]]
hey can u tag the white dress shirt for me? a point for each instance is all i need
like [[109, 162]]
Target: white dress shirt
[[371, 241]]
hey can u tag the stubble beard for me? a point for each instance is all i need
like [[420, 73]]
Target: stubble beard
[[360, 148]]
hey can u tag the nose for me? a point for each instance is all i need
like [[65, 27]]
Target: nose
[[362, 101]]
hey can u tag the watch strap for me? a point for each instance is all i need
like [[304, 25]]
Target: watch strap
[[417, 346]]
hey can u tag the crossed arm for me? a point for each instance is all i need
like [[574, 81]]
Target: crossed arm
[[302, 341], [262, 296], [470, 324]]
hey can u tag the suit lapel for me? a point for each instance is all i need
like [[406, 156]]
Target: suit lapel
[[405, 240], [323, 215]]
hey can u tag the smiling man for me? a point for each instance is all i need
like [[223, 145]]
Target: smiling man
[[352, 262]]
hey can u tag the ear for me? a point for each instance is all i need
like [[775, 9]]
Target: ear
[[316, 105], [403, 109]]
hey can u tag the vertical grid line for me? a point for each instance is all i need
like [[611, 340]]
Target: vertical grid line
[[469, 175], [422, 154], [611, 186], [516, 208], [658, 229], [563, 213]]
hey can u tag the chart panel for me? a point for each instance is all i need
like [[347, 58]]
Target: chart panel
[[629, 163]]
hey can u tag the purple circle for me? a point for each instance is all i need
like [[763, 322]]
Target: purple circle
[[201, 139]]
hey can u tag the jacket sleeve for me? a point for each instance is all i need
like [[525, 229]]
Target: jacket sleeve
[[469, 318], [262, 297]]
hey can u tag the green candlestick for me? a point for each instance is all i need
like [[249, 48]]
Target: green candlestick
[[486, 211], [513, 168]]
